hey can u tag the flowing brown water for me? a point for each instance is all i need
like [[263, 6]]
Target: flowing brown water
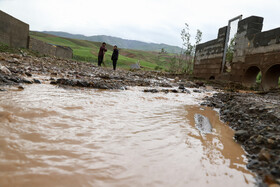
[[51, 136]]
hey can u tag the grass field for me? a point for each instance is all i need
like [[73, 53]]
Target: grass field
[[87, 51]]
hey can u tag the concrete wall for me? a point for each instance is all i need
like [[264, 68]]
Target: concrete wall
[[49, 49], [254, 52], [13, 32], [209, 56], [64, 52], [247, 28]]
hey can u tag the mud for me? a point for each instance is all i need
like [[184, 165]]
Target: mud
[[22, 69], [256, 121]]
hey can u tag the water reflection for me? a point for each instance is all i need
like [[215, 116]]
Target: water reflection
[[51, 136]]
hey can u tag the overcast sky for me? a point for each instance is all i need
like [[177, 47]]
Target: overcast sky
[[158, 21]]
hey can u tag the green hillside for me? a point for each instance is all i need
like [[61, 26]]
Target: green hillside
[[87, 51], [122, 43]]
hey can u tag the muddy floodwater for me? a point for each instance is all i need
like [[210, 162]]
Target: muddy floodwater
[[51, 136]]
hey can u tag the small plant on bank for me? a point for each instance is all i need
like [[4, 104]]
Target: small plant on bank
[[229, 54]]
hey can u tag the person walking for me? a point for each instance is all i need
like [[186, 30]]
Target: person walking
[[115, 56], [101, 53]]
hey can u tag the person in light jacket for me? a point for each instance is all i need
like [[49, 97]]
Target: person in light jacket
[[115, 57]]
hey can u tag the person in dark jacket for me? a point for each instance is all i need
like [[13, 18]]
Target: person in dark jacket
[[115, 57], [101, 53]]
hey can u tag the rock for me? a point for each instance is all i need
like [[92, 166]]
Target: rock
[[197, 91], [174, 91], [275, 172], [176, 79], [14, 79], [14, 60], [202, 123], [199, 83], [165, 91], [26, 81], [151, 90], [82, 83], [270, 141], [252, 164], [28, 74], [187, 91], [259, 139], [53, 82], [37, 81], [191, 85], [20, 87], [5, 70], [105, 76], [54, 74], [264, 155], [2, 90], [181, 87], [2, 58], [241, 135], [16, 56], [135, 66]]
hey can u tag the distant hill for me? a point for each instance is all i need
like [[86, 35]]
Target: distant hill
[[121, 43]]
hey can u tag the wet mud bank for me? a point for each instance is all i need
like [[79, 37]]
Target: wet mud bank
[[256, 121], [16, 69]]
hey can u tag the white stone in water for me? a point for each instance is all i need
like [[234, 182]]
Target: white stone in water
[[202, 123], [5, 70]]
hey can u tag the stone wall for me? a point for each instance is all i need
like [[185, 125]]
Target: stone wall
[[247, 28], [63, 52], [255, 51], [49, 49], [13, 32], [209, 56]]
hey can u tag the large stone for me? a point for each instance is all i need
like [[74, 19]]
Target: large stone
[[135, 66], [202, 123]]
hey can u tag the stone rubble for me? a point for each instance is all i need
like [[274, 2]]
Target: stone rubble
[[17, 69]]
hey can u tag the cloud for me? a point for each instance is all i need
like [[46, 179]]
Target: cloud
[[148, 20]]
